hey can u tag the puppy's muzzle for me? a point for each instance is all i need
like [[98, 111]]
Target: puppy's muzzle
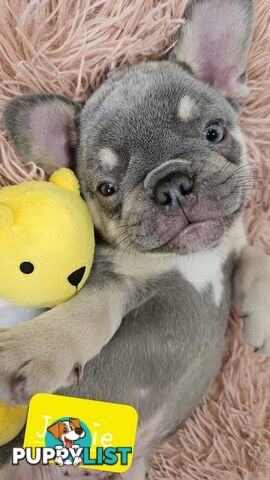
[[172, 190], [170, 185]]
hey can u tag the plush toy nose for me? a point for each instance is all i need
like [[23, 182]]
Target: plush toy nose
[[76, 277]]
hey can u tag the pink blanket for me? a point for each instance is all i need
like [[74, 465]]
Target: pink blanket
[[68, 47]]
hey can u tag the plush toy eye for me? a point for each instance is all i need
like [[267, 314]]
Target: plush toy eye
[[27, 267], [108, 189], [215, 132]]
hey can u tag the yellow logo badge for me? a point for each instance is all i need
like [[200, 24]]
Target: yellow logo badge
[[82, 433]]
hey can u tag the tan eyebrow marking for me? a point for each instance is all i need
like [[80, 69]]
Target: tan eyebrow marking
[[186, 108], [108, 158]]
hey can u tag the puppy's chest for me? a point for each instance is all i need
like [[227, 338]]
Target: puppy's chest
[[203, 271], [193, 301]]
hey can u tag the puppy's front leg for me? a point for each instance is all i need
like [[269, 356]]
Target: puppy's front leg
[[50, 351], [252, 296]]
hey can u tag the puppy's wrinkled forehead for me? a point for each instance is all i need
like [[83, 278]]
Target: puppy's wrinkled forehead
[[157, 142], [155, 110], [151, 114]]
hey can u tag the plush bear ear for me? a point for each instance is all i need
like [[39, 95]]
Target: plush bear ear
[[214, 42], [66, 179], [6, 215], [43, 129]]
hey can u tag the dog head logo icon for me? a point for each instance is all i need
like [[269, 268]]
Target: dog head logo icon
[[68, 433]]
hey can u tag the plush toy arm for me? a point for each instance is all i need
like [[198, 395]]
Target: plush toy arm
[[51, 350], [12, 421]]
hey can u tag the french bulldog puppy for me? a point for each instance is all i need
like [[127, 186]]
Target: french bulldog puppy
[[163, 166]]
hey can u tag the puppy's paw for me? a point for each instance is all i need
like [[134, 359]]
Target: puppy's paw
[[252, 296], [32, 365], [256, 329]]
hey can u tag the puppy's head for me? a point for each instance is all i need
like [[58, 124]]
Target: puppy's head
[[76, 426], [67, 431], [157, 148], [58, 429]]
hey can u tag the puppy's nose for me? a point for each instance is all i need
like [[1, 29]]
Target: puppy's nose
[[172, 190], [76, 277], [79, 430]]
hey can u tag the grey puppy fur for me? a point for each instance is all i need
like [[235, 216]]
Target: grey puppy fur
[[166, 194]]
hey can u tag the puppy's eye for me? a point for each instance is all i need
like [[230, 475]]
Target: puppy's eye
[[215, 132], [27, 268], [108, 189]]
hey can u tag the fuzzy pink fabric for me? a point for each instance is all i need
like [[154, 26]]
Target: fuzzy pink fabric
[[68, 47]]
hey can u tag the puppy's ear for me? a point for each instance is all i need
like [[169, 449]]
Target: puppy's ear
[[43, 129], [55, 430], [214, 43], [75, 422]]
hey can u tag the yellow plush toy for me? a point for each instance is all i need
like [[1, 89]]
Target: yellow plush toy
[[47, 249]]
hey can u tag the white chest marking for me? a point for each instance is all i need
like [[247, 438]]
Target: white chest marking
[[205, 268], [202, 270]]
